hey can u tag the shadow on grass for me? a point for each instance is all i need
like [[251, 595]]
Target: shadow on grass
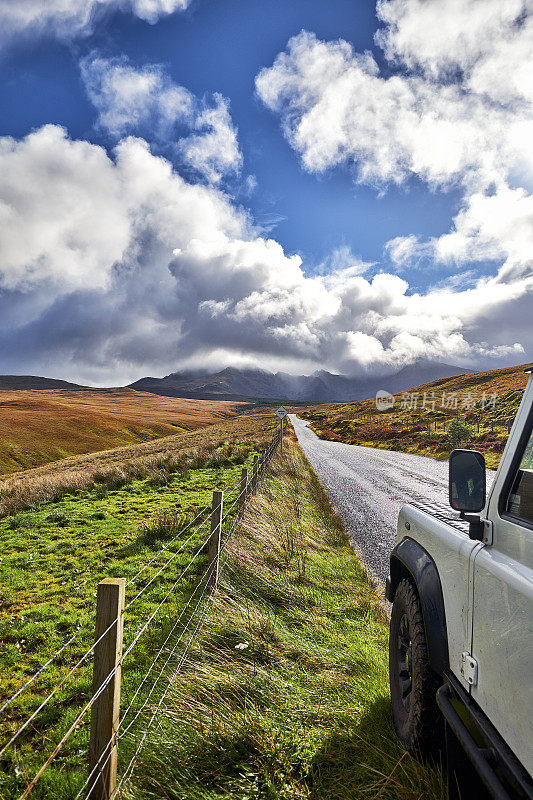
[[354, 762], [369, 762]]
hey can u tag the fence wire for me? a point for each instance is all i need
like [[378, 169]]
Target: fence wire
[[204, 512], [206, 598]]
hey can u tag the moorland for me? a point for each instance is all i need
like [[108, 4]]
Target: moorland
[[286, 692], [39, 426], [480, 406]]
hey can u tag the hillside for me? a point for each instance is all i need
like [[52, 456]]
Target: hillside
[[259, 384], [37, 427], [35, 382], [486, 402]]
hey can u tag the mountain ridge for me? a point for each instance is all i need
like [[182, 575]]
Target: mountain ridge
[[235, 384], [322, 386]]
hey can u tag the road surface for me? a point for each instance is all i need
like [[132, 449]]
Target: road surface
[[368, 487]]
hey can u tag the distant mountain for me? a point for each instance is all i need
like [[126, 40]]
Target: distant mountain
[[320, 387], [35, 382], [421, 372]]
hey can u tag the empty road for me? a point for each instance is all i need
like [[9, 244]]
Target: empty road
[[369, 486]]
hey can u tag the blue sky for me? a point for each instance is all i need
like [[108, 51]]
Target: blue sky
[[220, 47], [367, 168]]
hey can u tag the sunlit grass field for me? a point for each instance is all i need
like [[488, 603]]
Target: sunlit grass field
[[37, 427], [286, 694], [27, 488], [424, 429], [53, 554]]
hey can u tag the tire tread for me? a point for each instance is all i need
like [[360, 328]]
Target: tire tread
[[420, 729]]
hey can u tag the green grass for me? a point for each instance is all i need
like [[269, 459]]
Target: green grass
[[286, 694], [52, 558]]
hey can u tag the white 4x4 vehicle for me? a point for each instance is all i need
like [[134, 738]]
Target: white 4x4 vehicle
[[461, 633]]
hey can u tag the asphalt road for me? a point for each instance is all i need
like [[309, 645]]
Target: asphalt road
[[368, 487]]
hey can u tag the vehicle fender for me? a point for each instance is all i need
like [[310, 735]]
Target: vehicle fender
[[410, 560]]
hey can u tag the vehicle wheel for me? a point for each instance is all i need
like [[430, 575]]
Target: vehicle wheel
[[413, 684]]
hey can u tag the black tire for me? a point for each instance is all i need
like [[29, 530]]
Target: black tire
[[413, 684]]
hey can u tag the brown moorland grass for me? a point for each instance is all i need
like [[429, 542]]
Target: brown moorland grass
[[119, 466], [40, 426], [424, 429]]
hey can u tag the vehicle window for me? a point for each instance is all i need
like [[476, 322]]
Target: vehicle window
[[520, 502]]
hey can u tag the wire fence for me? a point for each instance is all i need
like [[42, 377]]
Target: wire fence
[[146, 657]]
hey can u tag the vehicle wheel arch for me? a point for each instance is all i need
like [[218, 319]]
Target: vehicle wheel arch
[[409, 560]]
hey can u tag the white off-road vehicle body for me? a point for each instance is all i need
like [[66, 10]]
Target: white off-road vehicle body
[[474, 581]]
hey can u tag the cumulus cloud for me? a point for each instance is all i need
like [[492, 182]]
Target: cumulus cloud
[[496, 227], [336, 108], [115, 266], [129, 99], [214, 151], [455, 109], [69, 236], [145, 101], [442, 37], [68, 19]]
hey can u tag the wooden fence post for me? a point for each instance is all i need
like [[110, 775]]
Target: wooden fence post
[[242, 492], [255, 478], [214, 540], [106, 708]]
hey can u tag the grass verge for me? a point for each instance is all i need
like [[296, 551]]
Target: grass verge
[[286, 695]]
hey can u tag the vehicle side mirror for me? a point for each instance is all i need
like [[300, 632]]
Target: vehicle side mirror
[[468, 485]]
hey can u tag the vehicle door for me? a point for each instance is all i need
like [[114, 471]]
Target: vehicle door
[[502, 631]]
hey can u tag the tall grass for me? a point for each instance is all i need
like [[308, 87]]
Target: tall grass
[[286, 693], [217, 446]]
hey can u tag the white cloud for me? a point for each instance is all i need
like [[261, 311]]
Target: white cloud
[[456, 109], [336, 108], [115, 267], [341, 260], [75, 218], [62, 212], [214, 151], [489, 42], [145, 100], [497, 227], [128, 99], [68, 19], [403, 249]]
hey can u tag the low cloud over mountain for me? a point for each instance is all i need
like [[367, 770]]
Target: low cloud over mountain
[[258, 384]]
